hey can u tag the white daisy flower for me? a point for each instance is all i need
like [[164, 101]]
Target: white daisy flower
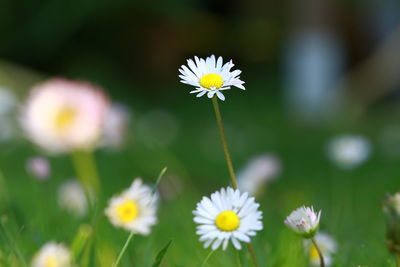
[[327, 246], [257, 172], [210, 76], [52, 254], [304, 221], [349, 151], [227, 215], [72, 198], [134, 209], [62, 115]]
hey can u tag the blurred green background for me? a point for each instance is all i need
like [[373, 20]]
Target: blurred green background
[[346, 51]]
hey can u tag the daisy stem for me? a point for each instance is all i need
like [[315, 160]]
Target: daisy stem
[[207, 258], [115, 264], [223, 140], [252, 254], [321, 258], [86, 171]]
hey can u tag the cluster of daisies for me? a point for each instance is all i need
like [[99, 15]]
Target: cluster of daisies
[[63, 116]]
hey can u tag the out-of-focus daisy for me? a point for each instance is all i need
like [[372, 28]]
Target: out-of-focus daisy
[[115, 126], [134, 209], [38, 167], [210, 76], [227, 215], [326, 244], [62, 115], [349, 151], [304, 221], [258, 171], [8, 107], [52, 255], [392, 204], [72, 198]]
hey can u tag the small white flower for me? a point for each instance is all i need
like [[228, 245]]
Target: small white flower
[[115, 126], [349, 151], [52, 254], [259, 171], [304, 221], [62, 115], [210, 76], [39, 167], [134, 209], [72, 198], [227, 215], [326, 244]]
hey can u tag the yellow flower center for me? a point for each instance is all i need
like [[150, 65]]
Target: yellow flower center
[[211, 81], [314, 256], [64, 118], [127, 211], [50, 262], [227, 221]]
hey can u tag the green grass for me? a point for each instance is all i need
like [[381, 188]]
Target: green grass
[[255, 123]]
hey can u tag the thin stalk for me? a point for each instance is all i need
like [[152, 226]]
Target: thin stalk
[[115, 264], [252, 254], [86, 171], [321, 258], [13, 245], [397, 259], [207, 258], [229, 163], [223, 140]]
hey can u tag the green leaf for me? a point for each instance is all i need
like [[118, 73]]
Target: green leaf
[[161, 254]]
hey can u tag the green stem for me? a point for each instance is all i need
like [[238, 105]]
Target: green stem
[[115, 264], [229, 163], [321, 258], [397, 259], [223, 140], [207, 258], [86, 171], [13, 245]]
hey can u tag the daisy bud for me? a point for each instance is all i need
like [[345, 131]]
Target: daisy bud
[[304, 221]]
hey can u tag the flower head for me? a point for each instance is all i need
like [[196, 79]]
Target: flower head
[[326, 244], [348, 152], [39, 167], [258, 172], [210, 76], [52, 254], [304, 221], [115, 126], [134, 209], [227, 215], [72, 198], [62, 115]]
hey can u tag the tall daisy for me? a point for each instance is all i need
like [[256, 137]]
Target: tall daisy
[[52, 254], [62, 116], [227, 215], [134, 209], [210, 76]]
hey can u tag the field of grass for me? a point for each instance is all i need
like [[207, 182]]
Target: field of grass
[[188, 144]]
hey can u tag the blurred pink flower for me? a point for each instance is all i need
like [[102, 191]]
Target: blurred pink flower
[[38, 167], [62, 115]]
